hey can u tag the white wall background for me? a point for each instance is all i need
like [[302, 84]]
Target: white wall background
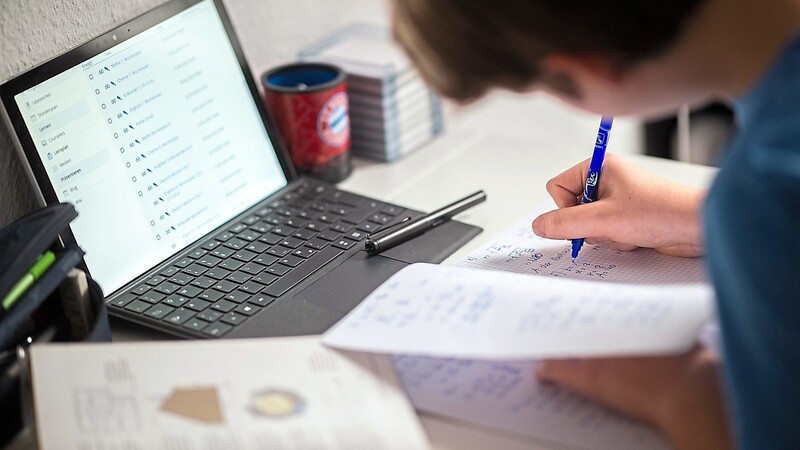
[[33, 31]]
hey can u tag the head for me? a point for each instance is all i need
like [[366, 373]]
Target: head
[[587, 53]]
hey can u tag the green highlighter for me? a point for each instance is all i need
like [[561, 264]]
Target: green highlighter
[[34, 273]]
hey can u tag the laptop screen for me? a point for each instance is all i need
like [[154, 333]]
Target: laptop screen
[[157, 141]]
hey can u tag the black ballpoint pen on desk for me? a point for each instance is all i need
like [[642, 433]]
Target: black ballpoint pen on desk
[[411, 228]]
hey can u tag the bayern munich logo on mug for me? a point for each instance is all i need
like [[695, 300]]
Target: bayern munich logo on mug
[[333, 123]]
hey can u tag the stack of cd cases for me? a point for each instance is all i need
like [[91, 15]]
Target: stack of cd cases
[[392, 111]]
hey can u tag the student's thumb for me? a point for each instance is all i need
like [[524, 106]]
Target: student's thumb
[[571, 223]]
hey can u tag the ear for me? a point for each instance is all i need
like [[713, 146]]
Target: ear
[[582, 67]]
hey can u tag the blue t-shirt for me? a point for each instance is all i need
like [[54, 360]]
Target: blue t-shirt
[[752, 232]]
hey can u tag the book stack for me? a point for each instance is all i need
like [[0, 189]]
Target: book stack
[[392, 111]]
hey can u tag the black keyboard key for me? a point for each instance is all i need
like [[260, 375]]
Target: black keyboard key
[[170, 271], [329, 235], [344, 243], [341, 228], [197, 305], [239, 277], [368, 227], [381, 219], [140, 289], [223, 252], [291, 261], [304, 253], [211, 295], [181, 279], [264, 211], [189, 291], [209, 260], [265, 260], [251, 287], [218, 273], [196, 270], [279, 251], [292, 242], [167, 287], [223, 305], [152, 297], [252, 268], [390, 210], [155, 280], [249, 235], [283, 230], [137, 306], [327, 218], [261, 300], [261, 227], [195, 324], [302, 271], [211, 245], [304, 234], [198, 253], [179, 316], [247, 309], [123, 299], [356, 235], [339, 210], [244, 255], [175, 300], [236, 243], [231, 264], [317, 244], [183, 262], [250, 220], [274, 219], [217, 329], [257, 247], [209, 315], [315, 226], [159, 311], [238, 228], [225, 286], [237, 297], [271, 238], [278, 270], [265, 278], [204, 282], [233, 318], [224, 236], [295, 222]]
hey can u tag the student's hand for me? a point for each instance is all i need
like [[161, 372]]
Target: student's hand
[[634, 209], [680, 395]]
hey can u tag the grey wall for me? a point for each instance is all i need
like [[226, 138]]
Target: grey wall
[[32, 31]]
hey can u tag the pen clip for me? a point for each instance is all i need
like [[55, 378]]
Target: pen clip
[[390, 227]]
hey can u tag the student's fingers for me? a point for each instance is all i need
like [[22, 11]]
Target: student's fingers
[[567, 187], [592, 219]]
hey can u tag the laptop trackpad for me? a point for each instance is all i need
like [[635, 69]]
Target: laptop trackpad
[[345, 286]]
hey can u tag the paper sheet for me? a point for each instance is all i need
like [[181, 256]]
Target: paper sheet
[[506, 396], [519, 250], [287, 393], [433, 310]]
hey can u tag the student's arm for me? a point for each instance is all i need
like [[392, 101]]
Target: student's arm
[[635, 209], [680, 395]]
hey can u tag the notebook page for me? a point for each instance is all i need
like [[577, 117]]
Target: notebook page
[[434, 310], [505, 395], [519, 250]]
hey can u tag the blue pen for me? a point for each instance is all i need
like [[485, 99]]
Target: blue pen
[[593, 177]]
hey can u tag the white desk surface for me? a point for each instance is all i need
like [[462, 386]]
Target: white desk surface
[[509, 146]]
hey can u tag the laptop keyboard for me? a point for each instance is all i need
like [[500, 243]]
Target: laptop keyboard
[[237, 273]]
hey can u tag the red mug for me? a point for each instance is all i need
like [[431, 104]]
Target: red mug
[[309, 104]]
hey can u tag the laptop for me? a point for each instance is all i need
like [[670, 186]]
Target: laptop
[[193, 219]]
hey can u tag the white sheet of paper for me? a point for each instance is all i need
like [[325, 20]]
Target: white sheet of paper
[[505, 395], [519, 250], [459, 312], [287, 393]]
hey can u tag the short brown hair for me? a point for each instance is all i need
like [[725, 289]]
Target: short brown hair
[[465, 47]]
